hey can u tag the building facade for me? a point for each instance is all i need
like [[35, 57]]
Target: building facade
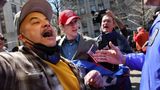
[[86, 9], [7, 27], [131, 12]]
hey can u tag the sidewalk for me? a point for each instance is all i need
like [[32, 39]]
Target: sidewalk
[[135, 79]]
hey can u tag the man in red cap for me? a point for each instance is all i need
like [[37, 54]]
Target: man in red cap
[[72, 41], [74, 46], [37, 64]]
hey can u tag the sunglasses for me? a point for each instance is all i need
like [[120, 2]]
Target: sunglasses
[[1, 38]]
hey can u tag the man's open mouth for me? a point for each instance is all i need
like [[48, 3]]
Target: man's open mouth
[[105, 26], [47, 33]]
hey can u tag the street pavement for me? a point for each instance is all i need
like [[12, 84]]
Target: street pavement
[[135, 77]]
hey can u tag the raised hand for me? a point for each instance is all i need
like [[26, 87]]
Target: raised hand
[[112, 55]]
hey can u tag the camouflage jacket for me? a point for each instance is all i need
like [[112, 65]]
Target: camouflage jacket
[[24, 71]]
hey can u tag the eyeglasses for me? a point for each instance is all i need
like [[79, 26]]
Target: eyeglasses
[[1, 38]]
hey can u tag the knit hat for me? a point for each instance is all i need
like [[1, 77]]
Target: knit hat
[[66, 16], [41, 6]]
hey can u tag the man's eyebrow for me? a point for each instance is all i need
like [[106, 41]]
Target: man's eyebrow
[[33, 18]]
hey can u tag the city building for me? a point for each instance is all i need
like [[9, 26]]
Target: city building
[[133, 13], [7, 27], [87, 10]]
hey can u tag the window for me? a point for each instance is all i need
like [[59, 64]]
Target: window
[[93, 7], [81, 2], [91, 0], [85, 33], [82, 10], [100, 6], [2, 22], [84, 24], [14, 10], [3, 27]]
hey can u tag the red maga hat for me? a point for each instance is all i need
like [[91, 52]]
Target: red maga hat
[[66, 16]]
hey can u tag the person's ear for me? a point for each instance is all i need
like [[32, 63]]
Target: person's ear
[[21, 38]]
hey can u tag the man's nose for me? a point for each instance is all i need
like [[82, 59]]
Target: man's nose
[[46, 24]]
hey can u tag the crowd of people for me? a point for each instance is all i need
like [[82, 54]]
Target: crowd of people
[[75, 61]]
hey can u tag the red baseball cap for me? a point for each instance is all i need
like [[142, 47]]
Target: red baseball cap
[[66, 16]]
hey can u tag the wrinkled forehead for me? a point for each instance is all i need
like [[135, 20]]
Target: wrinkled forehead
[[107, 17]]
